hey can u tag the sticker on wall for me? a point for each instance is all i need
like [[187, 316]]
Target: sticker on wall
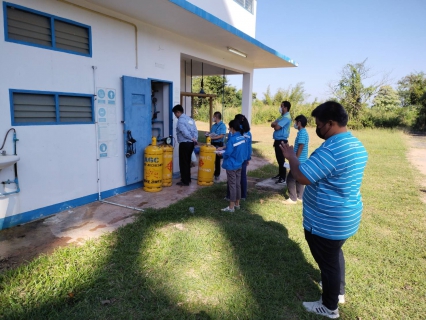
[[106, 113], [103, 147], [111, 96], [101, 96]]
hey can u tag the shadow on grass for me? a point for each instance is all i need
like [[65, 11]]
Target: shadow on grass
[[270, 265]]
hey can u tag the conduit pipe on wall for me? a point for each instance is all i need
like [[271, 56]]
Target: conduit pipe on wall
[[112, 17], [97, 156]]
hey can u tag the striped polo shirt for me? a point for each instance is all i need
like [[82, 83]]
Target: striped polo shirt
[[302, 138], [332, 203]]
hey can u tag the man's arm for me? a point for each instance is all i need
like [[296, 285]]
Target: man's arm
[[218, 137], [299, 150], [290, 155]]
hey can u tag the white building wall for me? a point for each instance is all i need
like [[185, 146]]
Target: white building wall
[[232, 13], [58, 162]]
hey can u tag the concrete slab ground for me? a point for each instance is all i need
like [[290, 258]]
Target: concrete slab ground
[[269, 184], [75, 226]]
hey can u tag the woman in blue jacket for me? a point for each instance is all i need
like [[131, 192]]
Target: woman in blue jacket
[[245, 126], [233, 157]]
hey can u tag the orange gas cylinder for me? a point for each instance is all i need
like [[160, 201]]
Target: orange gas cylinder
[[206, 164]]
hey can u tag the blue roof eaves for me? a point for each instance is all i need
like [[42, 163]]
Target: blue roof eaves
[[226, 26]]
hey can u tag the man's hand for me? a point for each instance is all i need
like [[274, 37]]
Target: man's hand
[[289, 154], [273, 124], [287, 150]]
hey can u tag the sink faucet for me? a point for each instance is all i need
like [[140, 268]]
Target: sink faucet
[[3, 153]]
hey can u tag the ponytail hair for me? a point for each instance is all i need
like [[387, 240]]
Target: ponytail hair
[[243, 121]]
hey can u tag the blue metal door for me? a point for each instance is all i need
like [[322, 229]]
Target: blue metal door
[[137, 122]]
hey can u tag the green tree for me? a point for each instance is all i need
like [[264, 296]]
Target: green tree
[[412, 88], [219, 86], [268, 96], [386, 99], [350, 90]]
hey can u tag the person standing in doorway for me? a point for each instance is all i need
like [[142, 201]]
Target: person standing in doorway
[[332, 203], [187, 136], [217, 134], [295, 189], [281, 128]]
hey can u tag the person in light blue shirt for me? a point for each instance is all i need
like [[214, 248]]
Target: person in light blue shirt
[[281, 128], [217, 134], [332, 203], [295, 189], [187, 136]]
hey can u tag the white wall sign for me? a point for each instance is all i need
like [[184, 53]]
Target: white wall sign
[[107, 122]]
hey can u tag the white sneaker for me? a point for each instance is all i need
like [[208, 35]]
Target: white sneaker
[[341, 296], [318, 308], [227, 209], [289, 201], [237, 207]]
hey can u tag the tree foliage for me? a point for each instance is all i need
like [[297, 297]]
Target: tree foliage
[[217, 85], [386, 99], [351, 91], [411, 89]]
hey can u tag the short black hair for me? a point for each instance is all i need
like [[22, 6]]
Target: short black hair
[[286, 104], [302, 119], [331, 110], [218, 114], [243, 121], [235, 124], [176, 108]]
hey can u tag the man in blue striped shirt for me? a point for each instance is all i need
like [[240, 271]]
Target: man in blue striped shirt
[[332, 203], [296, 189]]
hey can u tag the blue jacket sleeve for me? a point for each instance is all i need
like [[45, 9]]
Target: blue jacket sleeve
[[249, 147], [229, 149]]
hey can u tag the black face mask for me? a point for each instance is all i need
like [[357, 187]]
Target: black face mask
[[318, 132]]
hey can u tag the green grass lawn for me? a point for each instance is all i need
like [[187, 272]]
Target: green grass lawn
[[253, 264]]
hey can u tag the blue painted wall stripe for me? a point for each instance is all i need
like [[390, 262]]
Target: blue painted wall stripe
[[226, 26], [45, 212]]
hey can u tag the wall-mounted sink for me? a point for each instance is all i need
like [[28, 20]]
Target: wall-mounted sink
[[6, 161]]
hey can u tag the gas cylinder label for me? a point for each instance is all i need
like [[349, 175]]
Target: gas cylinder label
[[151, 160]]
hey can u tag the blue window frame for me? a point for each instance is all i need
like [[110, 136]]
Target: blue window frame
[[29, 107], [246, 4], [34, 28]]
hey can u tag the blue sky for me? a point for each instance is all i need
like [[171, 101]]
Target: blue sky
[[324, 35]]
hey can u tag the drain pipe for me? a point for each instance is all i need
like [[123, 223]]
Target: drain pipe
[[15, 165], [97, 156], [112, 17]]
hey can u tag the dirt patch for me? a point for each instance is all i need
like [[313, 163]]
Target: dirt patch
[[417, 156]]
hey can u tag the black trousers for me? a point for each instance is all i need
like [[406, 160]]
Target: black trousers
[[331, 262], [280, 158], [217, 161], [185, 152]]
